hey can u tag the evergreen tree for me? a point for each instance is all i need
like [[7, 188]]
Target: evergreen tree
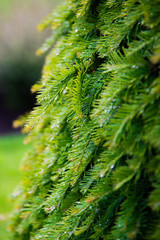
[[93, 171]]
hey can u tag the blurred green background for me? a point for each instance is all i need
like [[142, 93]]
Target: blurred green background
[[11, 152], [20, 68]]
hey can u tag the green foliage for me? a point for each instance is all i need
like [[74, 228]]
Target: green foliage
[[94, 171]]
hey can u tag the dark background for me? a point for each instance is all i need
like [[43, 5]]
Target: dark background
[[20, 68]]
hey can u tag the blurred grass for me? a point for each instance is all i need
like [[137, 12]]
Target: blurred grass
[[12, 151], [4, 4]]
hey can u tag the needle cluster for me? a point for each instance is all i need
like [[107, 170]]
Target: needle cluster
[[93, 171]]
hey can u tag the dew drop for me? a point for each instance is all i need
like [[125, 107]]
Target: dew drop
[[52, 208], [50, 165], [101, 174], [135, 66], [105, 111], [16, 193], [39, 237], [112, 166]]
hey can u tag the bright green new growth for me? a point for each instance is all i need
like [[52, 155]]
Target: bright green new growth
[[94, 169]]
